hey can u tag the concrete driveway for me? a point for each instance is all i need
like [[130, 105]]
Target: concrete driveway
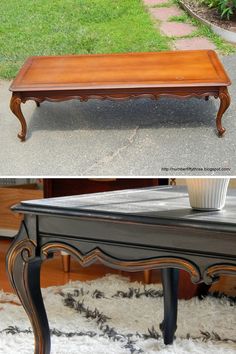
[[142, 137]]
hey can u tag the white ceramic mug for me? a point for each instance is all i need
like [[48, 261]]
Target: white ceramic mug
[[207, 193]]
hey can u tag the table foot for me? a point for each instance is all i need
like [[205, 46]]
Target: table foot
[[168, 327], [16, 110], [37, 103], [224, 104], [66, 259], [24, 273], [147, 276]]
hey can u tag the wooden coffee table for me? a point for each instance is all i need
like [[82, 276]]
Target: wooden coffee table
[[181, 74]]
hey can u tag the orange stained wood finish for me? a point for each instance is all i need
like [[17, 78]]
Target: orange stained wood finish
[[181, 74], [113, 71]]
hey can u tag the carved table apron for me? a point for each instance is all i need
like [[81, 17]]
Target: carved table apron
[[132, 230], [180, 74]]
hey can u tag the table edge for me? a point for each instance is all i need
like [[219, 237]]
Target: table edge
[[213, 57]]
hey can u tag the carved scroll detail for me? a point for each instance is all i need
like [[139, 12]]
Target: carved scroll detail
[[121, 96], [140, 265], [212, 273], [24, 249]]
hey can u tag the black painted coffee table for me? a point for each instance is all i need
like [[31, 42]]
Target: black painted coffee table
[[151, 228]]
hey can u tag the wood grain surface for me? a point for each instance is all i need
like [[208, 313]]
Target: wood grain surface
[[129, 70], [9, 197]]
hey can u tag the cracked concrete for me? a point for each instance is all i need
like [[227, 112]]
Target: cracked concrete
[[127, 138], [108, 159]]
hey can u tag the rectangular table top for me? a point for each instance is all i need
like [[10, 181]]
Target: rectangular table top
[[121, 71], [147, 205]]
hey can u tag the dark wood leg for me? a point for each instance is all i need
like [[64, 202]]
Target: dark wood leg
[[23, 268], [224, 104], [203, 290], [16, 110], [170, 289], [147, 276], [37, 103], [206, 98]]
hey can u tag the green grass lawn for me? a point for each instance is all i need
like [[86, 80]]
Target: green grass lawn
[[43, 27]]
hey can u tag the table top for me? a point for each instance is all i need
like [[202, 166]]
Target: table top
[[120, 71], [154, 205]]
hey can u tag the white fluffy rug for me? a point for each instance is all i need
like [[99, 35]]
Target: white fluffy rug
[[114, 316]]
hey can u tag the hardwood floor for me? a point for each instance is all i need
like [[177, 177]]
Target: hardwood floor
[[52, 274]]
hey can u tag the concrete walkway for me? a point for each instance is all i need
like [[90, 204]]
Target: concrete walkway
[[162, 12], [128, 138]]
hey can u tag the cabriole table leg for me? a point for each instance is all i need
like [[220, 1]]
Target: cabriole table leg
[[224, 104], [23, 267], [170, 277], [16, 110]]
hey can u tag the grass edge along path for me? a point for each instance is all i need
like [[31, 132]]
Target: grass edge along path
[[201, 31]]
